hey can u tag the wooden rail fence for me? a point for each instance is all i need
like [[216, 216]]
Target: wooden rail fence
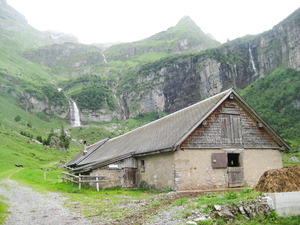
[[83, 179]]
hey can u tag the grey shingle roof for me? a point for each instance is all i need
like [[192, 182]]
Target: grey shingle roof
[[161, 134], [90, 149]]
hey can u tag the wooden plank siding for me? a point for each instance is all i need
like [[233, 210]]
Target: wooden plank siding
[[229, 126]]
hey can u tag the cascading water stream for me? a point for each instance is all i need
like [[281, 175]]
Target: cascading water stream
[[105, 61], [74, 112], [76, 115], [115, 88], [252, 61], [122, 108]]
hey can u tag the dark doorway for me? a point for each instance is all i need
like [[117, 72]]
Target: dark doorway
[[233, 160]]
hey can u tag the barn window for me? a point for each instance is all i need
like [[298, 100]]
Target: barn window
[[142, 166], [231, 129], [233, 160]]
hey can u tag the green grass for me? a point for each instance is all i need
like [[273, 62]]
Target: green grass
[[3, 210]]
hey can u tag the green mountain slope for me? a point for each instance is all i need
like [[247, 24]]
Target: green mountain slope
[[185, 37], [276, 97]]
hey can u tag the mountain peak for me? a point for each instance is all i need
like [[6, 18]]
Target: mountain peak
[[183, 19], [3, 2]]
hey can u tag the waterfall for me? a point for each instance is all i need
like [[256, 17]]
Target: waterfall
[[122, 108], [105, 61], [252, 62], [76, 116], [74, 112]]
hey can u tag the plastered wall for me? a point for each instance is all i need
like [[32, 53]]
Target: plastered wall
[[159, 171], [256, 162], [193, 170]]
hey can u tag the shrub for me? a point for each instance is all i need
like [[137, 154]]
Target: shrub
[[18, 118]]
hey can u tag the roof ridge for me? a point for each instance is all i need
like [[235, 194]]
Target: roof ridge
[[186, 108], [102, 142]]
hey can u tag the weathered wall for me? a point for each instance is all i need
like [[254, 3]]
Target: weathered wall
[[256, 162], [113, 175], [159, 171], [209, 135], [193, 170]]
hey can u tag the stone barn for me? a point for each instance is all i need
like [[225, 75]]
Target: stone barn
[[217, 143]]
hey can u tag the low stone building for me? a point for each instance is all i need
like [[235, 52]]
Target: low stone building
[[216, 143]]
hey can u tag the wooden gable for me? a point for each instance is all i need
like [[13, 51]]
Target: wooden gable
[[229, 126]]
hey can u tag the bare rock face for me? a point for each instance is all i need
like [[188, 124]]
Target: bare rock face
[[64, 54], [61, 37], [188, 80], [55, 143], [293, 159]]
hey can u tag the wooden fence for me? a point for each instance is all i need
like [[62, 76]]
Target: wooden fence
[[83, 179]]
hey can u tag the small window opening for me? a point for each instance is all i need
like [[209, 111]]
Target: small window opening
[[233, 159], [142, 166]]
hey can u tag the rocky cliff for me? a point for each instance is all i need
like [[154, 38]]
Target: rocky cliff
[[238, 63], [68, 59], [165, 72]]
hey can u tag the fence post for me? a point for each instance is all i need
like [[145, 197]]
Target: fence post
[[79, 181], [97, 184]]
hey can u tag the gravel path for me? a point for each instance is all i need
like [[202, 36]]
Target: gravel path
[[30, 207]]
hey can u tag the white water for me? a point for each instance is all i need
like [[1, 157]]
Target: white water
[[122, 108], [76, 115], [252, 61], [74, 112], [105, 61]]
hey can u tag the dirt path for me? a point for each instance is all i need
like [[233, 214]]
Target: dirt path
[[30, 207]]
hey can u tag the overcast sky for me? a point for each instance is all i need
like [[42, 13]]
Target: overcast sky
[[99, 21]]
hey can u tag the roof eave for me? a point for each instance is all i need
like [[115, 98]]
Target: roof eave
[[269, 129], [152, 152]]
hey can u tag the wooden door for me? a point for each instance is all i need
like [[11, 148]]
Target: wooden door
[[235, 176], [129, 178]]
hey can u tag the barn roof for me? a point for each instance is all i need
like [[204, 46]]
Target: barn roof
[[166, 133], [90, 149]]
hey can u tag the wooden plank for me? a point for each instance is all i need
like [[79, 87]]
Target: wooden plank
[[79, 180], [92, 181], [92, 176], [73, 181], [97, 184], [69, 174]]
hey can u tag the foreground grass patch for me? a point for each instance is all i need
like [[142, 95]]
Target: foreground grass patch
[[3, 210]]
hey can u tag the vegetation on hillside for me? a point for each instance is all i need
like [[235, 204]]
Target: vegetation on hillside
[[95, 96], [276, 97]]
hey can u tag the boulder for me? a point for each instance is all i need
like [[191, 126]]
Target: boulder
[[294, 159]]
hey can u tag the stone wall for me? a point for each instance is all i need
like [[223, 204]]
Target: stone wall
[[113, 177], [158, 172]]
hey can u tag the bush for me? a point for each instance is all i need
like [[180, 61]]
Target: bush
[[18, 118], [39, 138]]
